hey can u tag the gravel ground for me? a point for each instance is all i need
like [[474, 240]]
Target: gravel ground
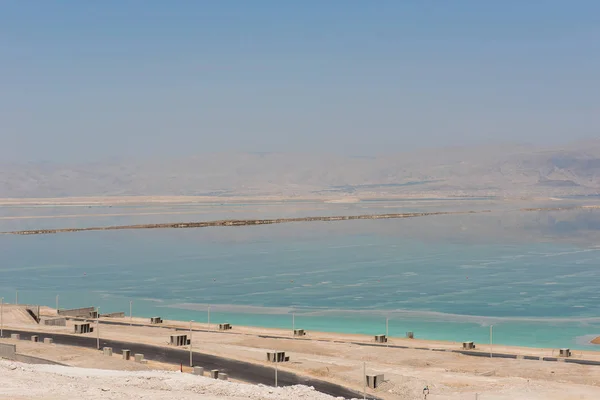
[[23, 381]]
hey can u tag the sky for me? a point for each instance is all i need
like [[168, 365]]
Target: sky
[[86, 81]]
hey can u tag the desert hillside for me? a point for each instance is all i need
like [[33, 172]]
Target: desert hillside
[[477, 171]]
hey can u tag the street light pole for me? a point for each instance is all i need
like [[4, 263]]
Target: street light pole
[[1, 317], [491, 336], [98, 328], [130, 303], [387, 338], [191, 353], [57, 304], [364, 380], [209, 317]]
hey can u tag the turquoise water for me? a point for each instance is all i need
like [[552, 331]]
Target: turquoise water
[[534, 276]]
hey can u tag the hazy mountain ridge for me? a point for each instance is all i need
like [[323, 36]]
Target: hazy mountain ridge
[[490, 171]]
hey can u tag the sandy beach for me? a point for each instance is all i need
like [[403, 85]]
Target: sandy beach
[[340, 358]]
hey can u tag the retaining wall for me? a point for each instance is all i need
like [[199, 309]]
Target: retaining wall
[[114, 315], [55, 321], [77, 312]]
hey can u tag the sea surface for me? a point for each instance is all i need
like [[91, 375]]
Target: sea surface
[[534, 276]]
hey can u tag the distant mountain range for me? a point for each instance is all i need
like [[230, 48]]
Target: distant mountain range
[[508, 170]]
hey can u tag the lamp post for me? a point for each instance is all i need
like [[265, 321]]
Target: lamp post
[[387, 337], [491, 336], [98, 328], [130, 318], [191, 353], [364, 380], [1, 317], [209, 317], [276, 362], [56, 304]]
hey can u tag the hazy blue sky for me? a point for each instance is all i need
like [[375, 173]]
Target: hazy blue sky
[[86, 80]]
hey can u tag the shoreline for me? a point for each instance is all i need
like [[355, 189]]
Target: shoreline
[[451, 372], [356, 338]]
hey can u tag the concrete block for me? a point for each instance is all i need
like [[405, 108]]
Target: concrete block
[[224, 327], [156, 320], [276, 356], [139, 358], [48, 340], [380, 339], [126, 354], [107, 351], [299, 332], [178, 340], [15, 336], [564, 353], [83, 328], [35, 338], [198, 371], [7, 350], [222, 376], [468, 345], [214, 373], [374, 381]]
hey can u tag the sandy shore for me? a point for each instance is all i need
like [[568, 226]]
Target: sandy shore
[[333, 357]]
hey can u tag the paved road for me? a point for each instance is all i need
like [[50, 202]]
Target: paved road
[[392, 346], [240, 370]]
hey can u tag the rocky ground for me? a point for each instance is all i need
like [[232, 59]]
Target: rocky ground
[[50, 382]]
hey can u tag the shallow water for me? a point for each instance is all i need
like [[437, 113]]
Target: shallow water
[[532, 275]]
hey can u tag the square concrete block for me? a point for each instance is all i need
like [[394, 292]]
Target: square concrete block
[[214, 374], [15, 336], [380, 339], [48, 340], [139, 358], [373, 381], [198, 371], [222, 376], [126, 354], [276, 356], [107, 351], [35, 338], [178, 340]]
